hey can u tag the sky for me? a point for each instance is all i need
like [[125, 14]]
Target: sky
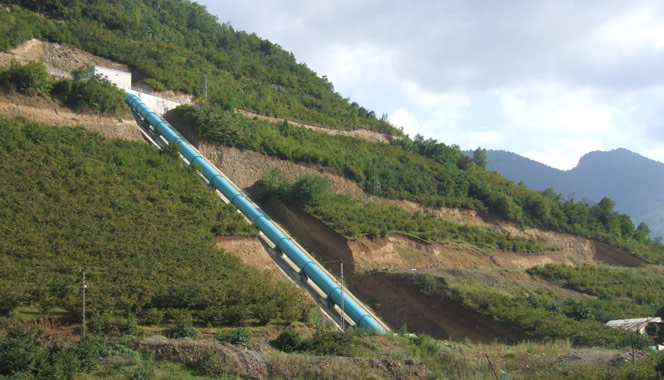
[[549, 80]]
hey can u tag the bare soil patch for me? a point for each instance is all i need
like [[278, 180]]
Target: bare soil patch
[[364, 134], [56, 56], [47, 112], [398, 252], [251, 251], [395, 297], [245, 167], [399, 301]]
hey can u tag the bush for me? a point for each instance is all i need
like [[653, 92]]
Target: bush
[[30, 79], [211, 364], [91, 95], [153, 316], [63, 363], [288, 341], [330, 342], [184, 327], [21, 352], [239, 336], [8, 300], [142, 373], [131, 325]]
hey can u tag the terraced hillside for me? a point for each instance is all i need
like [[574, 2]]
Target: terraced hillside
[[437, 245]]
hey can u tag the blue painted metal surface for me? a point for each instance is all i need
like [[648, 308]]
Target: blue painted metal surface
[[282, 243]]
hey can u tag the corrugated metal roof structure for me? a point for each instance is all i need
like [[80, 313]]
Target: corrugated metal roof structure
[[636, 324]]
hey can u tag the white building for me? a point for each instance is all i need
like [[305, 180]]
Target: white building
[[122, 80]]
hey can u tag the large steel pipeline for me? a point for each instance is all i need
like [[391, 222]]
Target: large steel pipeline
[[282, 243]]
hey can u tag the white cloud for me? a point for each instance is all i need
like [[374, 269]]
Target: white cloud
[[585, 119], [348, 65], [406, 120]]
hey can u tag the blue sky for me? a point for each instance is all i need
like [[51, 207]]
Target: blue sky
[[550, 80]]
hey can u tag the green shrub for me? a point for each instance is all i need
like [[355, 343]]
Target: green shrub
[[239, 336], [211, 364], [326, 341], [91, 95], [9, 299], [21, 352], [288, 341], [30, 79], [63, 362], [184, 327], [153, 316], [142, 373], [131, 326]]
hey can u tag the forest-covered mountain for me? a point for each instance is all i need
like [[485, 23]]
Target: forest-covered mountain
[[634, 182]]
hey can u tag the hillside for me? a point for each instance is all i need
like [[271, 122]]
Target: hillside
[[174, 45], [473, 273], [631, 180]]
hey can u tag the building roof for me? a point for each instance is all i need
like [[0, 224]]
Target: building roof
[[636, 324]]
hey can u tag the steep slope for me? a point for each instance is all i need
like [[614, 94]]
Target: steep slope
[[174, 44], [634, 182], [449, 290]]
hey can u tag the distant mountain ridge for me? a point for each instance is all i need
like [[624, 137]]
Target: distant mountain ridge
[[634, 182]]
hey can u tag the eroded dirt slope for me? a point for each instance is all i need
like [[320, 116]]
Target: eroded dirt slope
[[55, 56], [49, 113], [246, 167], [363, 134], [383, 272], [251, 251]]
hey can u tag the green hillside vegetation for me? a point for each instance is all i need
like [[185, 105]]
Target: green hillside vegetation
[[354, 218], [424, 171], [173, 44], [548, 313], [642, 285], [83, 93], [141, 222], [631, 180]]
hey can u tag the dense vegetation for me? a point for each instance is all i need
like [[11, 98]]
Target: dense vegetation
[[428, 172], [83, 93], [140, 221], [641, 285], [175, 43], [354, 218], [545, 313]]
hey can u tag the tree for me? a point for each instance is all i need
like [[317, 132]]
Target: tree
[[481, 157], [642, 232]]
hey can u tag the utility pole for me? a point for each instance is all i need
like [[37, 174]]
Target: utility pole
[[341, 304], [83, 286]]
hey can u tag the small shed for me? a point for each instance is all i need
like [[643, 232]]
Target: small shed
[[636, 324]]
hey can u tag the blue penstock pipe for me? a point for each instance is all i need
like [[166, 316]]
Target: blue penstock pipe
[[307, 267]]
